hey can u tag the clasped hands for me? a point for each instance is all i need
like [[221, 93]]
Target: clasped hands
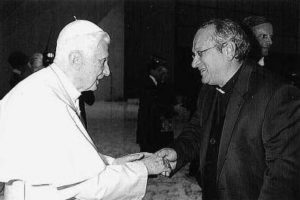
[[161, 162]]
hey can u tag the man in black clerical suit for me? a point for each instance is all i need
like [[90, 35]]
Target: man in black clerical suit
[[246, 130], [154, 125]]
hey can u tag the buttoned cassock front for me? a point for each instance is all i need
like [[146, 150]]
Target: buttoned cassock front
[[44, 145]]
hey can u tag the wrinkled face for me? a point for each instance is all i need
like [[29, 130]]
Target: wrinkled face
[[207, 58], [264, 34], [95, 67]]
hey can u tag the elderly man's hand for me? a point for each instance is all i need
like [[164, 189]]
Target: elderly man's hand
[[170, 155], [128, 158], [155, 164]]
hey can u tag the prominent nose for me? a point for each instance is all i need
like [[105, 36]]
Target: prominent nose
[[196, 62], [106, 71], [269, 40]]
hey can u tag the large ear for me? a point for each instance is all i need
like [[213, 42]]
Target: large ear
[[229, 50], [76, 59]]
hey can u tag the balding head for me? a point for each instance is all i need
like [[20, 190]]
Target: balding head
[[81, 53]]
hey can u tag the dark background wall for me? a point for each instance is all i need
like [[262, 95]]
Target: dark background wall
[[149, 30], [138, 29]]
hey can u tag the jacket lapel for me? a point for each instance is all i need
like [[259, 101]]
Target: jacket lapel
[[235, 104]]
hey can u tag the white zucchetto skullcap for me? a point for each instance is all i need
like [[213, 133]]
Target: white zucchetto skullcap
[[78, 28], [79, 35]]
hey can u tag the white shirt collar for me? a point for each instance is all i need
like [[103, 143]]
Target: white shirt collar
[[153, 79], [261, 61]]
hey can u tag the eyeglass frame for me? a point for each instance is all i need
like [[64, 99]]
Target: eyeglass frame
[[200, 53]]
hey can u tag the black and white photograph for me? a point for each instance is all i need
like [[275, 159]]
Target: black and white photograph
[[149, 100]]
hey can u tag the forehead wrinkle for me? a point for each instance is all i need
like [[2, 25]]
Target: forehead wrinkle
[[201, 45], [203, 37]]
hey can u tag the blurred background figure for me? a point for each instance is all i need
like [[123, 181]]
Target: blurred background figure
[[262, 30], [18, 62], [36, 62], [154, 125]]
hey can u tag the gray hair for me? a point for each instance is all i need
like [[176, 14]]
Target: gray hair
[[227, 30]]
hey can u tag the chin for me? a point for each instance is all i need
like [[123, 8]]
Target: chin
[[204, 81]]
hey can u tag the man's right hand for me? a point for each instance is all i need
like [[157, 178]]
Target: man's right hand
[[170, 155]]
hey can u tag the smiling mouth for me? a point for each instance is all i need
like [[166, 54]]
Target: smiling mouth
[[202, 70]]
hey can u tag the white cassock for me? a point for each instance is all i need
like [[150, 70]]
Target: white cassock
[[46, 153]]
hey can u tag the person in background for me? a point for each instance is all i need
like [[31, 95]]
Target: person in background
[[246, 129], [154, 124], [55, 158], [262, 31], [36, 62]]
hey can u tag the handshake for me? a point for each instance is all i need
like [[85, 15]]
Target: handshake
[[161, 162]]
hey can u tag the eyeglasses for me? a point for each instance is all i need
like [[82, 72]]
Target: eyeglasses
[[200, 53]]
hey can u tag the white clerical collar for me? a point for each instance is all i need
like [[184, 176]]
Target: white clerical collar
[[220, 90], [153, 79], [261, 61], [67, 84]]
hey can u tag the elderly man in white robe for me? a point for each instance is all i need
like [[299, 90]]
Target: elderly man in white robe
[[54, 158]]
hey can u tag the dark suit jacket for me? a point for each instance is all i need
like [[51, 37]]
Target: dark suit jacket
[[260, 142]]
